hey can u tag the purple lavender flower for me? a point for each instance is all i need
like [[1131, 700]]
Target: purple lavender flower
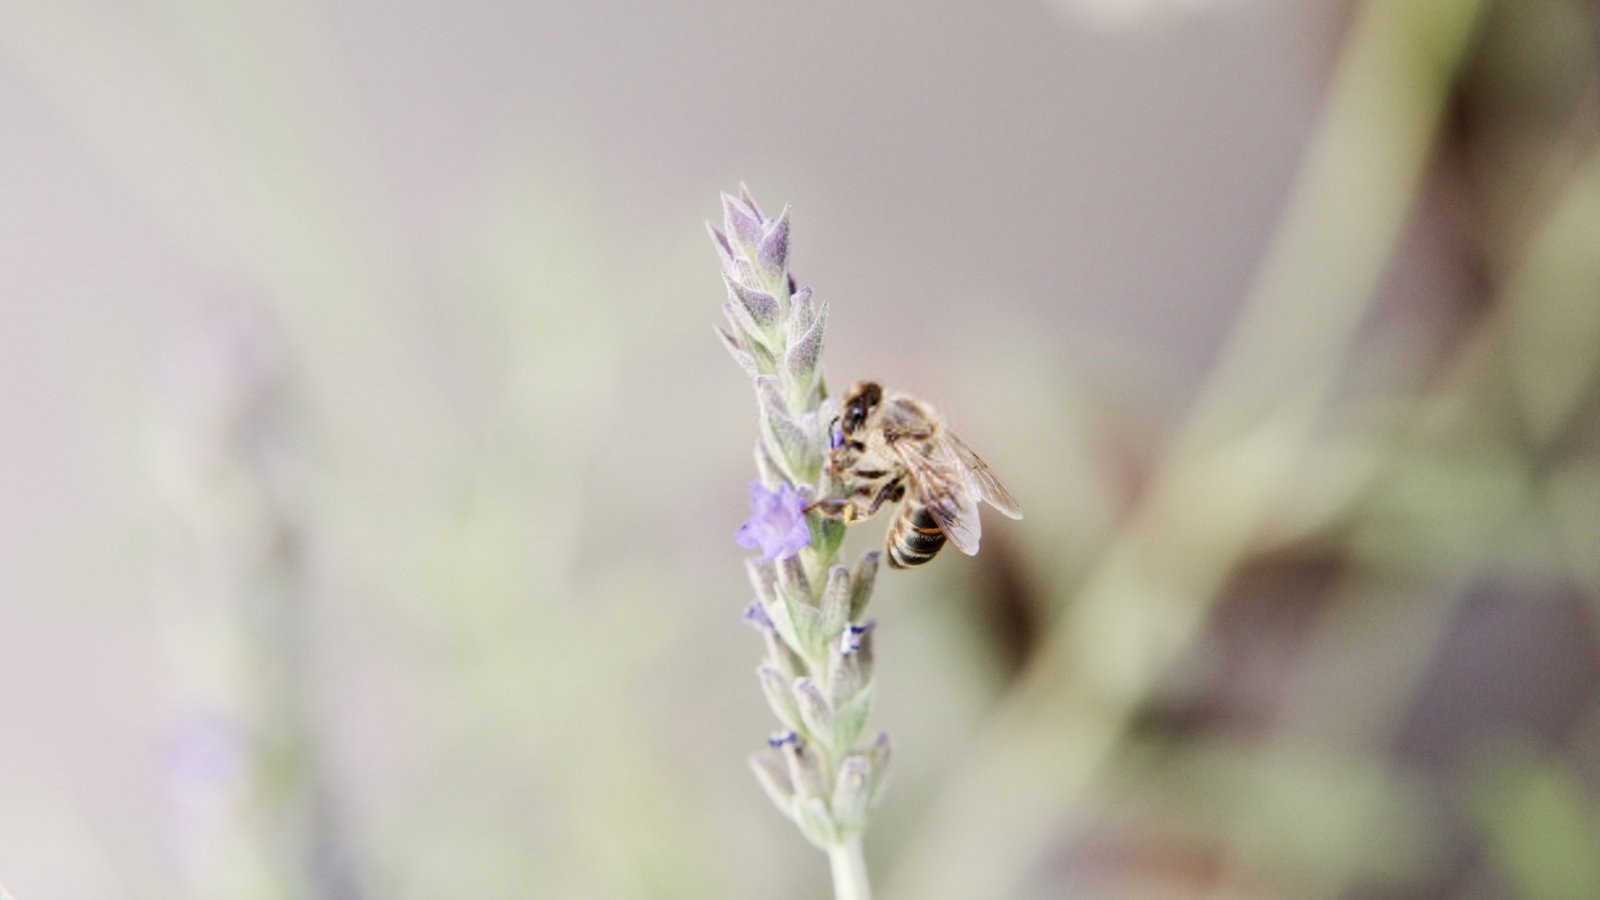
[[853, 635], [816, 674], [777, 523], [757, 616]]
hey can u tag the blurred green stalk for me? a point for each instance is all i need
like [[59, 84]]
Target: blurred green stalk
[[1229, 465]]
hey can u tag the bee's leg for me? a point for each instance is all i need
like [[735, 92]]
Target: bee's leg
[[891, 492], [834, 508]]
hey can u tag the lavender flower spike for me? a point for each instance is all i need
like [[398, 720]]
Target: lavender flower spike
[[816, 673]]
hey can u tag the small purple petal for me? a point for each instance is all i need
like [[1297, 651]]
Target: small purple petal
[[799, 535], [773, 253], [762, 306], [742, 271], [777, 523], [850, 640], [746, 536], [750, 201], [724, 252], [757, 616], [742, 223], [802, 311]]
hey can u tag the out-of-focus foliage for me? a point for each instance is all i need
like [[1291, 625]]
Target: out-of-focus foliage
[[371, 474]]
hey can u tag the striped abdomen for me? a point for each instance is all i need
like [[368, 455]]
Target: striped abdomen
[[915, 537]]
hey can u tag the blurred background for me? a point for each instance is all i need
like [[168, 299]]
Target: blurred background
[[370, 468]]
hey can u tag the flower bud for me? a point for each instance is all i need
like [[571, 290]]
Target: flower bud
[[773, 774], [776, 690], [878, 755], [780, 656], [783, 626], [806, 621], [852, 793], [767, 468], [756, 616], [815, 823], [760, 306], [835, 602], [805, 350], [749, 200], [814, 709], [861, 583], [802, 311], [724, 249], [851, 688], [739, 354], [772, 253], [854, 636], [805, 768], [800, 609], [792, 581], [762, 578], [844, 676], [857, 641], [749, 337], [741, 222], [786, 440]]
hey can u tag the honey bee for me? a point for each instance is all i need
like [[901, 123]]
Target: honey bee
[[886, 448]]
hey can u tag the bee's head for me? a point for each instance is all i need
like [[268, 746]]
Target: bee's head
[[863, 398]]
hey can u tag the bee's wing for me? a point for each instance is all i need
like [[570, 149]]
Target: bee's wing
[[989, 487], [939, 481]]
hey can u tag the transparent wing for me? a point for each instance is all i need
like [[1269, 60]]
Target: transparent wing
[[939, 481], [989, 487]]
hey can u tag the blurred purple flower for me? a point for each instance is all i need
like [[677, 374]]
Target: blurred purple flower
[[208, 759], [777, 523]]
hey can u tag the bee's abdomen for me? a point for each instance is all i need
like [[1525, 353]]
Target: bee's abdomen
[[915, 537]]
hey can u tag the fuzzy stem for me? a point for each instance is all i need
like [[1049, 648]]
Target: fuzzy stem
[[849, 870]]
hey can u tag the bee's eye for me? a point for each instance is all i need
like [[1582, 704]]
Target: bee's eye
[[835, 434]]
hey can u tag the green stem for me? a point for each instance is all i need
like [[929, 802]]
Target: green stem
[[849, 870]]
